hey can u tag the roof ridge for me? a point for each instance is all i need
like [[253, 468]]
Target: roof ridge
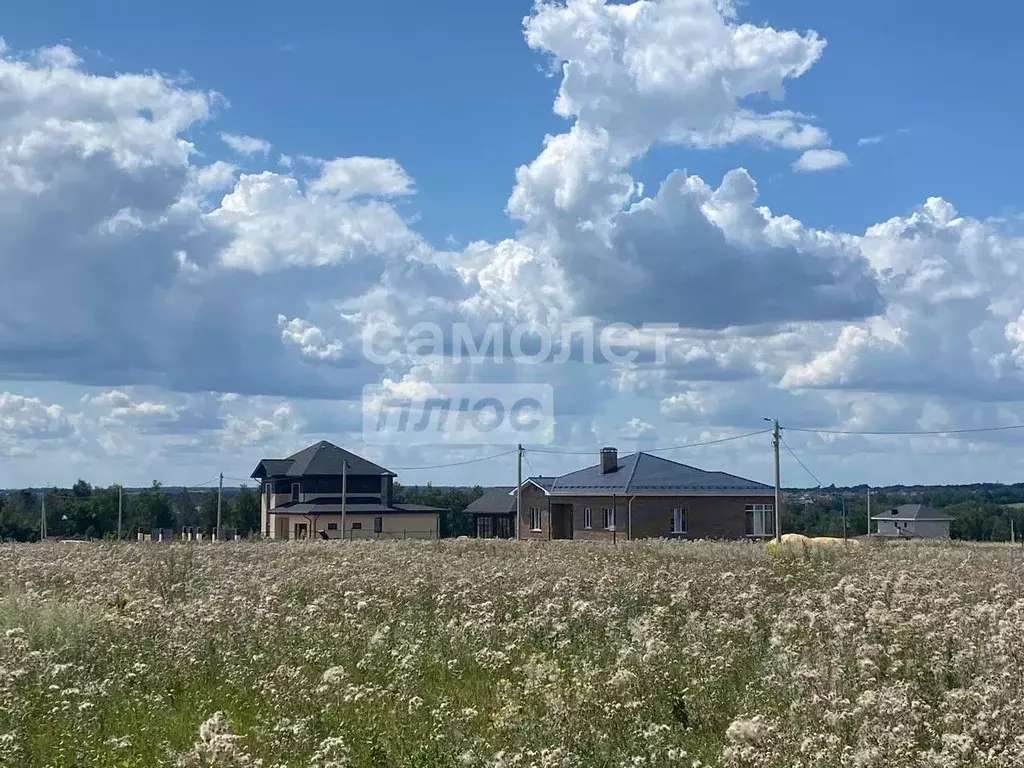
[[636, 463]]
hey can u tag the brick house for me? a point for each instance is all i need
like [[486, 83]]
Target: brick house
[[301, 497], [645, 496]]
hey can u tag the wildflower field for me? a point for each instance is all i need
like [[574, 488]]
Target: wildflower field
[[475, 653]]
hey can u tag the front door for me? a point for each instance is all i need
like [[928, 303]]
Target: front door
[[561, 521], [301, 530]]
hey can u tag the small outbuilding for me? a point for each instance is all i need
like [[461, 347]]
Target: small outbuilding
[[913, 521]]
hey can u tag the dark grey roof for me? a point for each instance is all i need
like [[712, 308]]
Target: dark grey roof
[[641, 472], [321, 458], [497, 501], [418, 508], [276, 466], [912, 512], [543, 481], [333, 507]]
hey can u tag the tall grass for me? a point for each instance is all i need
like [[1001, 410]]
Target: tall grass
[[509, 654]]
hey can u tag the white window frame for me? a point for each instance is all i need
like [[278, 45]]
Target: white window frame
[[679, 520], [608, 518], [587, 518], [763, 513], [536, 522]]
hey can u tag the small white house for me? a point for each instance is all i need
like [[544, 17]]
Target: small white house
[[913, 521]]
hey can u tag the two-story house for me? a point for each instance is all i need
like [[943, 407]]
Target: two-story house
[[645, 496], [327, 491]]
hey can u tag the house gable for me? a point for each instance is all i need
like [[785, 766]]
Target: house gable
[[321, 459]]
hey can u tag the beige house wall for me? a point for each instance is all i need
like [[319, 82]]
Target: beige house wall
[[412, 525]]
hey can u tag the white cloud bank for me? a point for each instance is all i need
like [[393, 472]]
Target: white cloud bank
[[130, 264]]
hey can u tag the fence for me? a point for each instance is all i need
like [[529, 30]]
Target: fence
[[361, 535], [188, 533]]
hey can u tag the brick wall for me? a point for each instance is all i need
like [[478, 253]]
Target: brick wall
[[707, 517]]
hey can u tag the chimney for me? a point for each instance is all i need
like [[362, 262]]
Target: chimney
[[609, 460]]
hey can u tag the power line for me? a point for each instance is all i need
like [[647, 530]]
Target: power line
[[401, 469], [907, 433], [793, 454], [660, 450], [532, 471], [457, 463]]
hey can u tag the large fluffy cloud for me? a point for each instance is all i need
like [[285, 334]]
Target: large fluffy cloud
[[132, 259], [954, 288], [679, 72]]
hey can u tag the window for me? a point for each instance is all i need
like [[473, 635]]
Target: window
[[609, 518], [760, 519], [357, 526], [301, 530], [378, 524], [332, 526], [296, 490], [679, 520], [586, 518], [535, 518]]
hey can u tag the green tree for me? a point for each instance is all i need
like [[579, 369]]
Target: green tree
[[185, 512], [151, 508], [244, 511], [208, 511], [15, 522]]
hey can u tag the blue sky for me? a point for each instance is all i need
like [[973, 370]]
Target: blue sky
[[452, 92], [916, 327]]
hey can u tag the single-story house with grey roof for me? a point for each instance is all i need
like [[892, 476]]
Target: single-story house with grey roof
[[494, 514], [645, 496], [913, 521], [325, 491]]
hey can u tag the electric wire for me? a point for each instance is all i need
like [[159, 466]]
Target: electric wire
[[798, 461], [908, 433], [663, 449]]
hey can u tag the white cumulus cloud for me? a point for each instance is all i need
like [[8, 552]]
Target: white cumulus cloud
[[245, 145], [820, 160]]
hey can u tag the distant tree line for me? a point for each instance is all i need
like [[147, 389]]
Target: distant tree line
[[83, 511], [980, 512]]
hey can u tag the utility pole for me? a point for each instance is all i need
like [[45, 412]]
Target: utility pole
[[42, 518], [842, 500], [519, 488], [869, 511], [344, 495], [776, 440], [220, 493], [120, 507]]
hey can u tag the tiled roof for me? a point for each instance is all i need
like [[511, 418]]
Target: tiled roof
[[321, 458], [912, 512], [417, 508], [497, 501], [641, 472], [333, 507]]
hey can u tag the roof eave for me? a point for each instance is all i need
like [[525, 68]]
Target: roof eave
[[674, 492]]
